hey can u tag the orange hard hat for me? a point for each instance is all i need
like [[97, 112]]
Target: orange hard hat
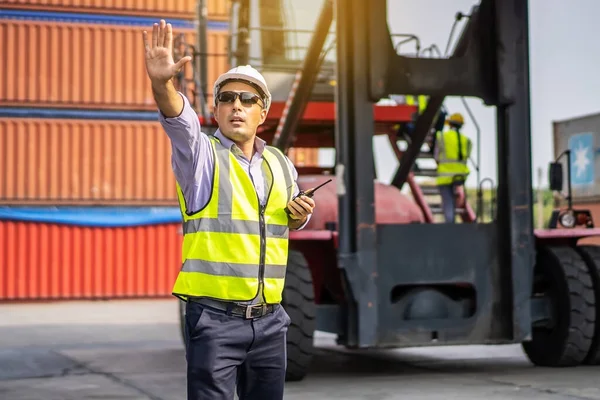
[[455, 119]]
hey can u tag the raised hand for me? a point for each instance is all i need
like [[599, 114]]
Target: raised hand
[[159, 55]]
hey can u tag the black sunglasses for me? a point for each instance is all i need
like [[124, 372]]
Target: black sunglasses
[[246, 98]]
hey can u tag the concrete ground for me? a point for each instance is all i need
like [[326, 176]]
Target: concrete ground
[[131, 350]]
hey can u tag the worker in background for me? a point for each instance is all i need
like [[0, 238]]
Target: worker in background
[[232, 190], [452, 151]]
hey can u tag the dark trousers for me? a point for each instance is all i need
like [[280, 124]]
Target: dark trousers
[[447, 192], [223, 351]]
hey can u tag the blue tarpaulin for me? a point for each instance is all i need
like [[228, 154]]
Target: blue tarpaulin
[[93, 216]]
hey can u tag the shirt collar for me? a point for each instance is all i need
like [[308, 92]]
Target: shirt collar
[[259, 144]]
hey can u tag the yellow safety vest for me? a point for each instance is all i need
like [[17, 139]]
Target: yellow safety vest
[[421, 100], [233, 243], [452, 159]]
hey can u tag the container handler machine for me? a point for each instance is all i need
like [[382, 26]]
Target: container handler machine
[[372, 266]]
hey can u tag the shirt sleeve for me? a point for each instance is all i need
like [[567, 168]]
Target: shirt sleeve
[[191, 155], [296, 190]]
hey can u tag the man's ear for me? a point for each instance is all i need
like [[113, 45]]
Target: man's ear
[[216, 112], [263, 116]]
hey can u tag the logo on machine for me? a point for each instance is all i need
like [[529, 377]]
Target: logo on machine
[[582, 158]]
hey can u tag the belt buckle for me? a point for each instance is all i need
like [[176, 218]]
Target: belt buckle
[[249, 309]]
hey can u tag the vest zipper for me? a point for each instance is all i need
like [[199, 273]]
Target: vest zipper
[[263, 250], [263, 240]]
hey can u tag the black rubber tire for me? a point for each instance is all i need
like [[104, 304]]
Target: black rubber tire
[[591, 256], [568, 280], [299, 303]]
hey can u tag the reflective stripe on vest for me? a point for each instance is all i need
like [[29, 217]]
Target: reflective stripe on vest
[[232, 242], [450, 168]]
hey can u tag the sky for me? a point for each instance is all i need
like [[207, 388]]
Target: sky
[[564, 58]]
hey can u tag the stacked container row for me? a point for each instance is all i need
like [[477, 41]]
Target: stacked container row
[[88, 197], [44, 260], [48, 161], [91, 66], [185, 9]]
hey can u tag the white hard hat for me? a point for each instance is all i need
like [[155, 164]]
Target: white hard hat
[[245, 73]]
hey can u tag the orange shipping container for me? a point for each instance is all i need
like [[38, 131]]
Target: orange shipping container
[[217, 9], [304, 157], [72, 65], [65, 161], [50, 261]]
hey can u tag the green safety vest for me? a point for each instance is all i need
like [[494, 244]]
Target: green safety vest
[[233, 243], [454, 152]]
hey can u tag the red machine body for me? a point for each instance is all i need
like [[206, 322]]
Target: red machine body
[[391, 206], [318, 240]]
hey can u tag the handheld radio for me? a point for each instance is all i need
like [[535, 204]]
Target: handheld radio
[[307, 193]]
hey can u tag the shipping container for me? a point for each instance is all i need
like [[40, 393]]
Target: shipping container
[[42, 261], [304, 157], [66, 161], [91, 162], [91, 66], [216, 63], [217, 9], [581, 136]]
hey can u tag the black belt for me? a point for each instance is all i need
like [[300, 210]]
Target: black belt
[[250, 311]]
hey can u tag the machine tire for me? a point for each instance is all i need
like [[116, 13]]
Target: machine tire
[[299, 303], [565, 275], [591, 256]]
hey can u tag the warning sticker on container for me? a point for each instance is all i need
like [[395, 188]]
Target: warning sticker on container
[[582, 158]]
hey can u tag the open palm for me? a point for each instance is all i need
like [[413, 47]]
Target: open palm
[[159, 55]]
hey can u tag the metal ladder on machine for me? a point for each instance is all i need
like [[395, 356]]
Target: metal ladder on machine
[[428, 193], [427, 196]]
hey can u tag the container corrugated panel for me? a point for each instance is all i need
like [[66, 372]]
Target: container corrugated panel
[[71, 65], [65, 161], [217, 63], [51, 261], [304, 157], [217, 9], [581, 135]]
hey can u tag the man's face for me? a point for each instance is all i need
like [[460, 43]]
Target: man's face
[[239, 121]]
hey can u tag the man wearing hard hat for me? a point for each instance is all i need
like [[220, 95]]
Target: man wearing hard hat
[[453, 150], [233, 190]]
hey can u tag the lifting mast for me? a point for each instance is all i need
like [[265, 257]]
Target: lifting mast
[[493, 67]]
